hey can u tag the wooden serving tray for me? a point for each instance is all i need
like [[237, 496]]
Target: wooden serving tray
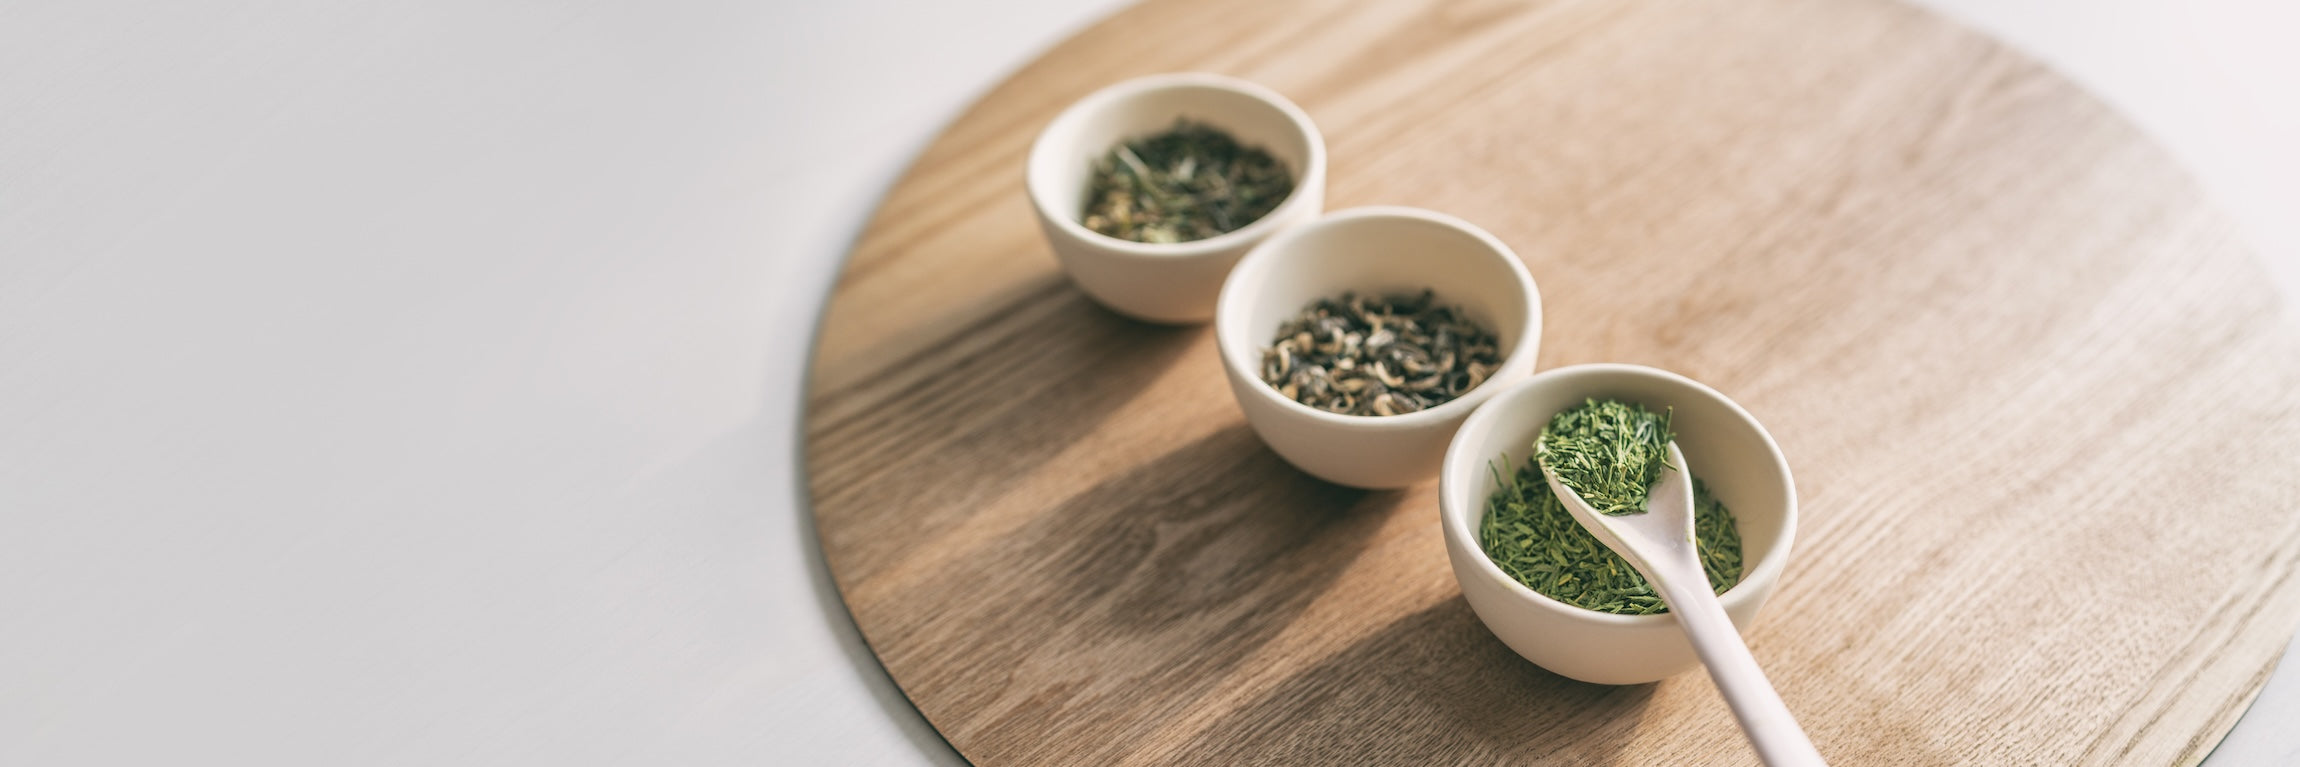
[[2038, 401]]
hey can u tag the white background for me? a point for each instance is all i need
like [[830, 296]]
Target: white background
[[419, 383]]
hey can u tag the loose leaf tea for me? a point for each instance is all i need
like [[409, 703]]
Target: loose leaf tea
[[1529, 533], [1609, 452], [1379, 356], [1190, 182]]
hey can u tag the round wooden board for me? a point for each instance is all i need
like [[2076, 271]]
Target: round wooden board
[[2037, 399]]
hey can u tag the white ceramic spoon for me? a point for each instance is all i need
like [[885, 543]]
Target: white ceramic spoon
[[1659, 543]]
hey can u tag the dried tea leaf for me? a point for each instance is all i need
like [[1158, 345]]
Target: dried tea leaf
[[1610, 452], [1190, 182], [1379, 356], [1530, 535]]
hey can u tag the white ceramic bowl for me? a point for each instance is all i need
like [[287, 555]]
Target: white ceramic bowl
[[1166, 282], [1377, 250], [1726, 448]]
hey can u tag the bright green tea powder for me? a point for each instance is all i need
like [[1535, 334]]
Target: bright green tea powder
[[1615, 448]]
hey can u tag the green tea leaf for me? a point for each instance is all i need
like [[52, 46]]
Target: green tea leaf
[[1609, 452], [1528, 533]]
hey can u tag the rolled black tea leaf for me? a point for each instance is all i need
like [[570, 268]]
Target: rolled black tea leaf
[[1190, 182], [1379, 356]]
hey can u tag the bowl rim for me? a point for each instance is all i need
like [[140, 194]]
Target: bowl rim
[[1230, 305], [1458, 520], [1042, 151]]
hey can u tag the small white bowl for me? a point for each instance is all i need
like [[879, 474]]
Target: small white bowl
[[1372, 251], [1726, 448], [1166, 282]]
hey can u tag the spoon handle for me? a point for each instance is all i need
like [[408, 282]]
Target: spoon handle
[[1770, 726]]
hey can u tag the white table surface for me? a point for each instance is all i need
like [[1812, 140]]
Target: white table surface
[[419, 383]]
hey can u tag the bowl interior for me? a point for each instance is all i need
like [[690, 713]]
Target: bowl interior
[[1727, 449], [1373, 251], [1062, 164]]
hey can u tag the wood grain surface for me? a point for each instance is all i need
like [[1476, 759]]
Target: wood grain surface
[[2037, 398]]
